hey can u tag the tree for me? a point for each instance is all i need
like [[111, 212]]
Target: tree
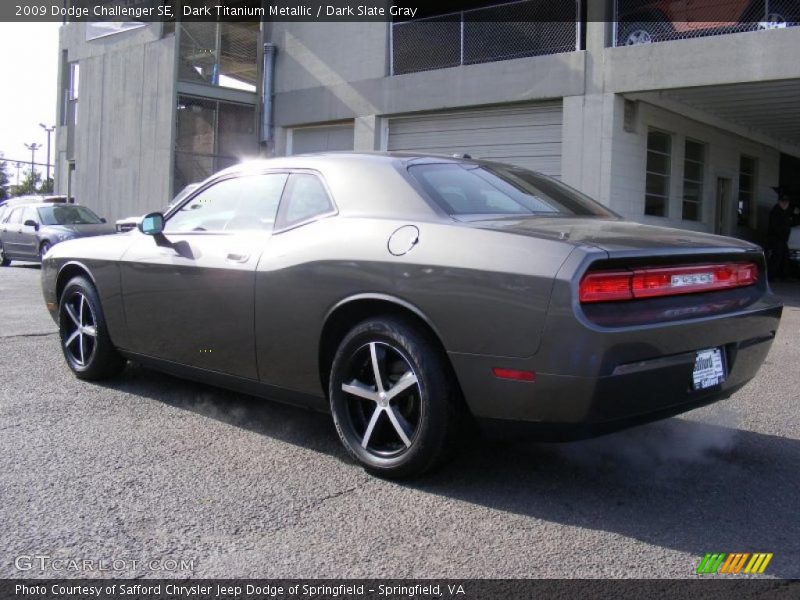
[[29, 185], [4, 181], [46, 187]]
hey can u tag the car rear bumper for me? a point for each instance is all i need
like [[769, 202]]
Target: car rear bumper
[[626, 380]]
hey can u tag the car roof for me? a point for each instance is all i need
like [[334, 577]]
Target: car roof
[[303, 160], [33, 199], [378, 193], [43, 204]]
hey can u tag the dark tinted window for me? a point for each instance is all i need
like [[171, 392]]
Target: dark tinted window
[[247, 203], [658, 170], [68, 215], [463, 189], [305, 198]]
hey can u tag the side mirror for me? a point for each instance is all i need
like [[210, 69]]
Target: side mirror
[[31, 223], [102, 219], [152, 224]]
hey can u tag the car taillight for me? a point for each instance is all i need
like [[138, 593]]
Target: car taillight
[[610, 286]]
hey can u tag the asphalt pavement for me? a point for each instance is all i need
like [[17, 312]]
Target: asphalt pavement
[[169, 478]]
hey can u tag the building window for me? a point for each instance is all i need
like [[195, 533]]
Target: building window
[[70, 84], [220, 54], [69, 91], [748, 167], [659, 153], [693, 175], [74, 80], [211, 136]]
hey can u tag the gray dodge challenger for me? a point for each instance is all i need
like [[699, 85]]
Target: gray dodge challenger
[[416, 296]]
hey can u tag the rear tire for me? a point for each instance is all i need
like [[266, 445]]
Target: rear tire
[[653, 27], [403, 421], [4, 261], [84, 335]]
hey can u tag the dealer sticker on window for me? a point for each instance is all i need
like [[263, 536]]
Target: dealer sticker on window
[[709, 369]]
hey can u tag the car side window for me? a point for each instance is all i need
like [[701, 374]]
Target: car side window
[[30, 215], [305, 198], [246, 203], [15, 216]]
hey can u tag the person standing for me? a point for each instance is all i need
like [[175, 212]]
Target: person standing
[[778, 232]]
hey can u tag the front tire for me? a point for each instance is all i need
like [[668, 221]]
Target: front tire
[[43, 249], [393, 400], [84, 335], [780, 15]]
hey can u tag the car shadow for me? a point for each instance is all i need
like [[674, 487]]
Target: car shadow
[[287, 423], [680, 484]]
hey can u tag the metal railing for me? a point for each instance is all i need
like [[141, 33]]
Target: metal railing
[[499, 32], [648, 21]]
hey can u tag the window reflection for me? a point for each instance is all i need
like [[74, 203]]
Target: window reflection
[[211, 136], [220, 54]]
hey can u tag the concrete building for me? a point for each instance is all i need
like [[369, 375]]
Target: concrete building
[[691, 130]]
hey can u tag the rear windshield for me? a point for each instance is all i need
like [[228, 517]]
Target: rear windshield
[[466, 189], [67, 215]]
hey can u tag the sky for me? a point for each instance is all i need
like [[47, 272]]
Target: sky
[[28, 88]]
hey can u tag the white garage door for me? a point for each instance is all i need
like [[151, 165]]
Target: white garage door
[[325, 138], [528, 136]]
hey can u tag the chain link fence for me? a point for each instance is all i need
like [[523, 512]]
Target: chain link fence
[[210, 136], [223, 54], [501, 32], [647, 21]]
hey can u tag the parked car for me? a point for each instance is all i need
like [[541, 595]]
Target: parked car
[[7, 205], [794, 247], [645, 21], [128, 223], [410, 294], [28, 231]]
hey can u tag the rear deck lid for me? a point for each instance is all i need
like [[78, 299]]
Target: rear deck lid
[[617, 237]]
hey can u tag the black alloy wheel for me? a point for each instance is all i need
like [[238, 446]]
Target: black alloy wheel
[[85, 342], [392, 398]]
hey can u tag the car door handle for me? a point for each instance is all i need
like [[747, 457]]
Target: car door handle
[[238, 257]]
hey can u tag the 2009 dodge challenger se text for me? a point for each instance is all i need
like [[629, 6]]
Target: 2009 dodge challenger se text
[[411, 295]]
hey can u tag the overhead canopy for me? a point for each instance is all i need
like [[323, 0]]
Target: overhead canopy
[[771, 107]]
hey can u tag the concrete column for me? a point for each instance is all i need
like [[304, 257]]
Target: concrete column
[[589, 119], [279, 143], [367, 134]]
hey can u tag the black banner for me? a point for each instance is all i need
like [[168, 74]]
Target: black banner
[[373, 589], [542, 11]]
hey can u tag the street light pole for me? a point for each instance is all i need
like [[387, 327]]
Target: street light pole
[[33, 148], [48, 130]]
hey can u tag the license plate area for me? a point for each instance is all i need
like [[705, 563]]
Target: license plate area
[[709, 368]]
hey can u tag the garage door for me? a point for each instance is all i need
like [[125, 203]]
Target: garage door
[[528, 136], [322, 139]]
